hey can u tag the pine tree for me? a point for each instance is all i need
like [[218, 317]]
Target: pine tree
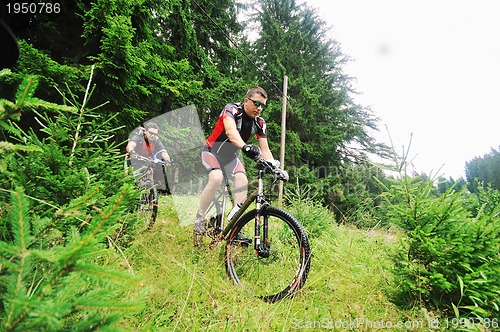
[[63, 195], [324, 121], [484, 170]]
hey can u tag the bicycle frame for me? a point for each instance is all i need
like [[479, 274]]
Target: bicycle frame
[[260, 202], [146, 172]]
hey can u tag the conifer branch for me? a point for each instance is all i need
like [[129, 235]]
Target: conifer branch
[[105, 273], [21, 230], [24, 90], [46, 289], [4, 146], [44, 283], [18, 218], [68, 264], [111, 210], [118, 306], [8, 110], [80, 119], [70, 211]]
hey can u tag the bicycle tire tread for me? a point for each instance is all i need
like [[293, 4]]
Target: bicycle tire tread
[[302, 273]]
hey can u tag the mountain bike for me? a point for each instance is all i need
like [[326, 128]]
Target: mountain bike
[[275, 263], [148, 202]]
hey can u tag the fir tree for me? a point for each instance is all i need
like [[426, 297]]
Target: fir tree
[[57, 216]]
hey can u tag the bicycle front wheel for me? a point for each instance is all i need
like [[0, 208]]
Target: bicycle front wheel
[[282, 267], [148, 208]]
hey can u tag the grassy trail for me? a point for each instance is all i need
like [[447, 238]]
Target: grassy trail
[[348, 288]]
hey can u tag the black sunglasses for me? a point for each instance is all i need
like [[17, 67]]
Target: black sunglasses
[[152, 133], [258, 103]]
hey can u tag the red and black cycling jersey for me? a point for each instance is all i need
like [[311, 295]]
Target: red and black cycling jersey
[[219, 143], [149, 149]]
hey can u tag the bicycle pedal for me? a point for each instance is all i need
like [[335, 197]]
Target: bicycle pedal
[[241, 240]]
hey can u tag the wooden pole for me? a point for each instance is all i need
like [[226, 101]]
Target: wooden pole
[[283, 132]]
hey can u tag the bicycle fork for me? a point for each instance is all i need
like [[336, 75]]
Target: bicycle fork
[[261, 249]]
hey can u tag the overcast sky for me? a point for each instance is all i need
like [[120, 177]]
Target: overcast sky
[[427, 68]]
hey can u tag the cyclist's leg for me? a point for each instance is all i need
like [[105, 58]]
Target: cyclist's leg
[[238, 174], [215, 178]]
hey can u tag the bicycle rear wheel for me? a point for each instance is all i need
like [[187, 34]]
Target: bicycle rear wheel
[[284, 270]]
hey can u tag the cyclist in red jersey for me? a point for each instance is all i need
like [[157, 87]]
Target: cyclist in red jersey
[[146, 143], [237, 123]]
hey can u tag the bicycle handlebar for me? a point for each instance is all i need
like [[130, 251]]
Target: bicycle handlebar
[[268, 167], [151, 161]]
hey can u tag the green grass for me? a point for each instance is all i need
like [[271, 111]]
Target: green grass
[[349, 284]]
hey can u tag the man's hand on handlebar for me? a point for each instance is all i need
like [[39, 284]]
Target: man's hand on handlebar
[[167, 162], [162, 162], [251, 151], [273, 167], [282, 174], [271, 164], [275, 163], [132, 154]]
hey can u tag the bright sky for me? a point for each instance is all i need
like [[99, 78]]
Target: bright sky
[[430, 68]]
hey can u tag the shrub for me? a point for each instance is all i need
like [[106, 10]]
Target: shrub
[[445, 248], [54, 283], [314, 217], [63, 193]]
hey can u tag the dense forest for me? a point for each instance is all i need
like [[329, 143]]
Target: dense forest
[[91, 72]]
